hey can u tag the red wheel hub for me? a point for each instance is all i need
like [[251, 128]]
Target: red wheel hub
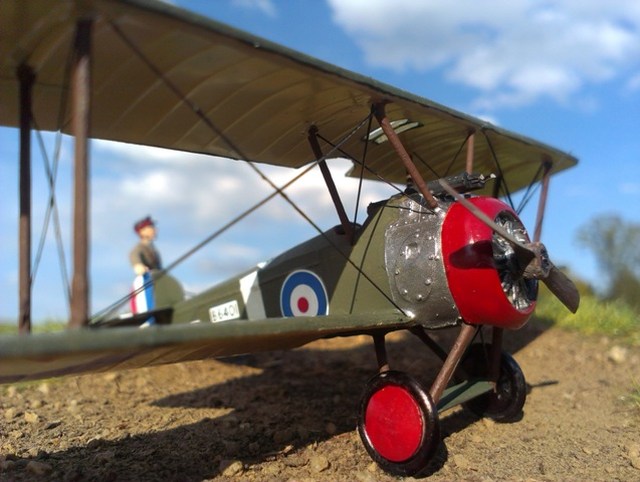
[[393, 423]]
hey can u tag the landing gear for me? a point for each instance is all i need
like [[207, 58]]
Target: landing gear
[[505, 403], [398, 423], [398, 419]]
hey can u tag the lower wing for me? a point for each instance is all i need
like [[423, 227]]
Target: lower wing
[[74, 352]]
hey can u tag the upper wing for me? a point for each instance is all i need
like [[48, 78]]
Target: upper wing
[[165, 77], [73, 352]]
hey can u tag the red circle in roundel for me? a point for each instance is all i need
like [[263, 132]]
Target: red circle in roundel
[[303, 294], [303, 304]]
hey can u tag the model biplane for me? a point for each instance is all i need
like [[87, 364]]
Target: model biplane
[[447, 250]]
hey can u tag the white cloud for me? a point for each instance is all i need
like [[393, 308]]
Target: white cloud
[[512, 52], [629, 188], [199, 190], [633, 84], [209, 190], [192, 196], [265, 6]]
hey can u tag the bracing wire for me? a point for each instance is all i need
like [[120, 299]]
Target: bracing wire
[[364, 162], [117, 304], [427, 165], [51, 171], [277, 191], [52, 210], [377, 176], [464, 142], [360, 163], [501, 176], [531, 189]]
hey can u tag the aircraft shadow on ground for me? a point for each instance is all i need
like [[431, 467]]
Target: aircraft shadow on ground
[[300, 397]]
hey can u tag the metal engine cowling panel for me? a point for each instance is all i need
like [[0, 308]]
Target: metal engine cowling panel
[[414, 264]]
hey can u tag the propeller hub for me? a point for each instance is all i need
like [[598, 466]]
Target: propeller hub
[[511, 262], [539, 266]]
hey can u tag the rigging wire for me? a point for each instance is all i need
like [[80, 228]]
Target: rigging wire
[[277, 191], [501, 176], [363, 166], [426, 164], [531, 189], [202, 115], [317, 228], [52, 210], [117, 304], [364, 161], [51, 179], [425, 209], [455, 157], [51, 172]]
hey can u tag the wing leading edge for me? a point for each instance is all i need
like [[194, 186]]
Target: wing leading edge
[[74, 352], [165, 77]]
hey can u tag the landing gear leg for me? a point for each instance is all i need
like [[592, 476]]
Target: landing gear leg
[[505, 402], [467, 333], [381, 352]]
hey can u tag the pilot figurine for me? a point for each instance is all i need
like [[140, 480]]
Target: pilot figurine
[[145, 257]]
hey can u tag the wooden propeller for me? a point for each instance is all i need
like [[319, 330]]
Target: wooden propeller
[[533, 257]]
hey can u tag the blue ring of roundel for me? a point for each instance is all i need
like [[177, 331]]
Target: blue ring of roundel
[[303, 278]]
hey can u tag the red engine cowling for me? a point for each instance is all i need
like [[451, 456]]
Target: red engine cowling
[[481, 269]]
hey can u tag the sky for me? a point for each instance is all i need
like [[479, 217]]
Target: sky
[[565, 72]]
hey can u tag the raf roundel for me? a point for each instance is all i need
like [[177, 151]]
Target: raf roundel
[[303, 294]]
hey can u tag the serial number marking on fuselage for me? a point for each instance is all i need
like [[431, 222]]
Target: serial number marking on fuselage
[[224, 312]]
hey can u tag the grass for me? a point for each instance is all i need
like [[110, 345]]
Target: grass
[[612, 318], [47, 326], [634, 397], [7, 328]]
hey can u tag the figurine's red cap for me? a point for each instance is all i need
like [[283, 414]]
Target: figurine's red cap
[[143, 223]]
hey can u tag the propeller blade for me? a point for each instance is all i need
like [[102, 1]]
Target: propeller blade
[[524, 253], [563, 288]]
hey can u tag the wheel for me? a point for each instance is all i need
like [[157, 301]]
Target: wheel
[[398, 423], [506, 402]]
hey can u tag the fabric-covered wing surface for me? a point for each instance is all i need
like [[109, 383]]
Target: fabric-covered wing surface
[[168, 78]]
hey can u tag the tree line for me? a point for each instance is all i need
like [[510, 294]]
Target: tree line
[[615, 244]]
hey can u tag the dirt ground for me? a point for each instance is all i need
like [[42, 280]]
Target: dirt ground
[[292, 416]]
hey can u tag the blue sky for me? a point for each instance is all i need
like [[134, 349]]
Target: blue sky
[[566, 72]]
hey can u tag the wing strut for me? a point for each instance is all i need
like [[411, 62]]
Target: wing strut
[[470, 152], [331, 186], [81, 114], [27, 78], [411, 168], [542, 201]]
